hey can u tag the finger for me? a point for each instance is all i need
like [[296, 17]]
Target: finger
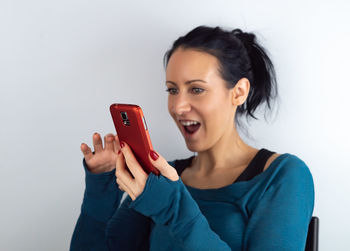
[[109, 138], [86, 151], [121, 171], [123, 177], [125, 188], [97, 141], [116, 144], [163, 166], [133, 165]]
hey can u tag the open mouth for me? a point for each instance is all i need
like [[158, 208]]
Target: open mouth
[[190, 127]]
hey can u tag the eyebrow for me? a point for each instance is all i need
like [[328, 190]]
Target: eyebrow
[[187, 82]]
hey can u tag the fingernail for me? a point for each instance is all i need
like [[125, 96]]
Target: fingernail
[[154, 155], [122, 144]]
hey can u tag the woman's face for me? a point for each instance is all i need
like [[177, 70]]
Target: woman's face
[[204, 98]]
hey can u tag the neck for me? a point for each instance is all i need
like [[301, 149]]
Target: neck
[[228, 152]]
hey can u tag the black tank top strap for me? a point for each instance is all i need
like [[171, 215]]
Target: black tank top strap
[[256, 165], [181, 164]]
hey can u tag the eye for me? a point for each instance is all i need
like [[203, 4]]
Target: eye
[[198, 90], [195, 90], [170, 90]]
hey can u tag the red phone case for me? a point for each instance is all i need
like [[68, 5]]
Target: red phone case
[[133, 130]]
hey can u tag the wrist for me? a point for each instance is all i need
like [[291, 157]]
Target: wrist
[[98, 171]]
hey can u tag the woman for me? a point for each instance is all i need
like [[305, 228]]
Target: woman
[[230, 196]]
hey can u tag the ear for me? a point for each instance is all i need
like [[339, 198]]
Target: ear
[[240, 92]]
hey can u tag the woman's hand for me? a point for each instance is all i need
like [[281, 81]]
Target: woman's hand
[[104, 158], [133, 182]]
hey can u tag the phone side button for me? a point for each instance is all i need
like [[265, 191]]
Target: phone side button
[[144, 122]]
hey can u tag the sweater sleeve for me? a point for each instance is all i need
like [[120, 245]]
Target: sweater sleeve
[[128, 229], [101, 199], [169, 203], [281, 218]]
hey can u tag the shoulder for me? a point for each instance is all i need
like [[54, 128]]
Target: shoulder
[[292, 169], [292, 176]]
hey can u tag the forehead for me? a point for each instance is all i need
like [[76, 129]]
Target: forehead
[[189, 63]]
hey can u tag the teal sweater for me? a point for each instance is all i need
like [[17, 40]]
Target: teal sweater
[[269, 212]]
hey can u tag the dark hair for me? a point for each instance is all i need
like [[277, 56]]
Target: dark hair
[[239, 55]]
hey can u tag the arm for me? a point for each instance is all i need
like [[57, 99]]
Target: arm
[[101, 199], [169, 203], [280, 219], [128, 229]]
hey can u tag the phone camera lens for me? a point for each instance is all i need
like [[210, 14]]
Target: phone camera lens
[[124, 116]]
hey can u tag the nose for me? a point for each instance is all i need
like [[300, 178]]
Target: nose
[[181, 105]]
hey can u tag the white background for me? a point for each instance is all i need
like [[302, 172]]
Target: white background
[[62, 63]]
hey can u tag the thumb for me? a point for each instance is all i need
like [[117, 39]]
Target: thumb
[[163, 166]]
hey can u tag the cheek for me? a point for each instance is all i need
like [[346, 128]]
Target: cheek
[[215, 119], [212, 122]]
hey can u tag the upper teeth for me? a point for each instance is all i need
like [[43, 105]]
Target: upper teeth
[[187, 123]]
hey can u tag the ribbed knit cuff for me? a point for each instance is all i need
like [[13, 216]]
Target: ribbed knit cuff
[[102, 195]]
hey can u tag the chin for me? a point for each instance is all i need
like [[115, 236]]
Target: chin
[[193, 147]]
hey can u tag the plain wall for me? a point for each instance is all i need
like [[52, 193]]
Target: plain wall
[[62, 63]]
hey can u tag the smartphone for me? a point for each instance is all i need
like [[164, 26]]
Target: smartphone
[[131, 127]]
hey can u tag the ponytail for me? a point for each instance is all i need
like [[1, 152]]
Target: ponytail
[[263, 80]]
